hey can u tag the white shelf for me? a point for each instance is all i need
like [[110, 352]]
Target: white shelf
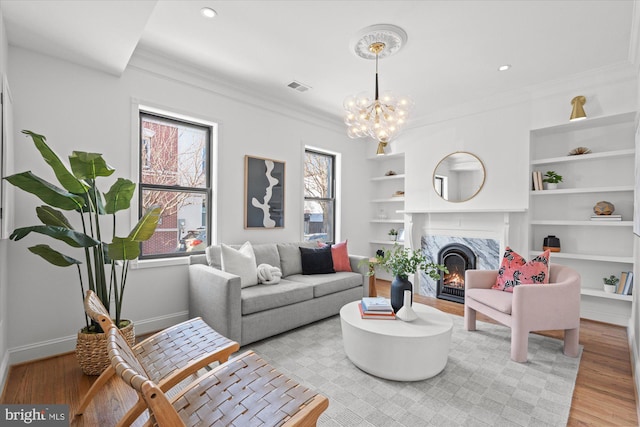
[[387, 156], [389, 200], [587, 223], [385, 242], [602, 294], [388, 221], [388, 177], [603, 258], [441, 211], [583, 157], [589, 123], [582, 190], [611, 138]]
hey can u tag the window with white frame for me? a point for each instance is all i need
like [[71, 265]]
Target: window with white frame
[[175, 174], [319, 196]]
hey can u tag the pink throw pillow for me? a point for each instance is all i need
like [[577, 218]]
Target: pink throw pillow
[[515, 270], [340, 256]]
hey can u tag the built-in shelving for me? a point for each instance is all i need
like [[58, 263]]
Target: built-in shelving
[[559, 191], [389, 200], [588, 257], [603, 294], [587, 223], [388, 177], [386, 208], [596, 248], [388, 221], [585, 157]]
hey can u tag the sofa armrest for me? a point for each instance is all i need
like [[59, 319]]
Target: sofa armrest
[[354, 261], [480, 279], [214, 295], [357, 266]]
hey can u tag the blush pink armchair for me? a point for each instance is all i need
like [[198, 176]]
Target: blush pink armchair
[[529, 308]]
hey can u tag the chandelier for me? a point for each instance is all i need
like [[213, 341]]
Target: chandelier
[[382, 117]]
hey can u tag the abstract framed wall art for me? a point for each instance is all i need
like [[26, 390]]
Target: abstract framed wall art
[[263, 193]]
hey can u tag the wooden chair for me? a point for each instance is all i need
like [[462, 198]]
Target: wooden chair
[[244, 391], [168, 356]]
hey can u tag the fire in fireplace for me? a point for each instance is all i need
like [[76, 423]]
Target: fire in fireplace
[[457, 258]]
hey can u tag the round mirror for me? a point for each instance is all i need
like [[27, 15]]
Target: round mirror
[[459, 177]]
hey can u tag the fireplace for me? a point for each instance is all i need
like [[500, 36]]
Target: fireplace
[[457, 258]]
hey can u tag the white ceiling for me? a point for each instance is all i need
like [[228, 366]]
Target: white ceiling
[[453, 51]]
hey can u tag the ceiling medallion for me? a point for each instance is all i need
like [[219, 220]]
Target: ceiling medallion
[[383, 116]]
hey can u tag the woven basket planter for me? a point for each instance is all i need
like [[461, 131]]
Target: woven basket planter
[[91, 350]]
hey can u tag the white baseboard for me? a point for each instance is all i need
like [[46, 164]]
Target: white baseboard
[[66, 344], [611, 318], [4, 370], [635, 363]]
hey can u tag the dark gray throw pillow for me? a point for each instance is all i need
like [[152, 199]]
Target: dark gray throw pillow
[[317, 260]]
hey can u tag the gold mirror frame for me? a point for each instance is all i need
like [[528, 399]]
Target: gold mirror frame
[[463, 161]]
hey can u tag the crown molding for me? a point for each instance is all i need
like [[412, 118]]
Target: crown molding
[[620, 72], [153, 62]]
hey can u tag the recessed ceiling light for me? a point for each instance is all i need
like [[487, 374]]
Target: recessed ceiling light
[[504, 67], [207, 12]]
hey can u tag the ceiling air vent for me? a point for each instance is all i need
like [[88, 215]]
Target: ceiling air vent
[[300, 87]]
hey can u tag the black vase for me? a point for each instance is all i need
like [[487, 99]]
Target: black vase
[[398, 286]]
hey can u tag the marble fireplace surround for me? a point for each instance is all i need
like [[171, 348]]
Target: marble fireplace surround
[[487, 253], [485, 233]]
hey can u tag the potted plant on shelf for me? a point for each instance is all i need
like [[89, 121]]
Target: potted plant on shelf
[[401, 262], [610, 284], [552, 179], [106, 263], [393, 234]]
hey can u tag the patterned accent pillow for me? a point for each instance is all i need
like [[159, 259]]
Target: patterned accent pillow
[[340, 255], [515, 270]]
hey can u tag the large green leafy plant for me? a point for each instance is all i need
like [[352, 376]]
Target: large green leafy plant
[[78, 192], [401, 262]]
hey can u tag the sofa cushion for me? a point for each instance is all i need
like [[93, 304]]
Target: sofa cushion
[[214, 258], [500, 301], [265, 297], [340, 255], [267, 253], [290, 260], [325, 284], [316, 260], [241, 262]]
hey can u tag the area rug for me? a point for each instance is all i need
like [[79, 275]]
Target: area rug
[[480, 386]]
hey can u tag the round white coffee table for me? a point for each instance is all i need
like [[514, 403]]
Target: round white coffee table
[[397, 350]]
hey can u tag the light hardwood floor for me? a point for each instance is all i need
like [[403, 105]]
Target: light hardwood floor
[[603, 396]]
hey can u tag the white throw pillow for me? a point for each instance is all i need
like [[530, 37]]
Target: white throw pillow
[[241, 262]]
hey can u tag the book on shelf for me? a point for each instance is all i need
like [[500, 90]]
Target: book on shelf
[[606, 217], [623, 279], [382, 315], [537, 180], [628, 284], [376, 304]]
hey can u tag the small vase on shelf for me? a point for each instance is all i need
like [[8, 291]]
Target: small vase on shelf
[[406, 313]]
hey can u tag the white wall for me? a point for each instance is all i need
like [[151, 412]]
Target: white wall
[[4, 347], [499, 138], [78, 108]]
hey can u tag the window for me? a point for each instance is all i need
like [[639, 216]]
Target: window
[[319, 196], [175, 174]]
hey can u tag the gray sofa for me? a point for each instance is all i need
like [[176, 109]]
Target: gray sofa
[[253, 313]]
